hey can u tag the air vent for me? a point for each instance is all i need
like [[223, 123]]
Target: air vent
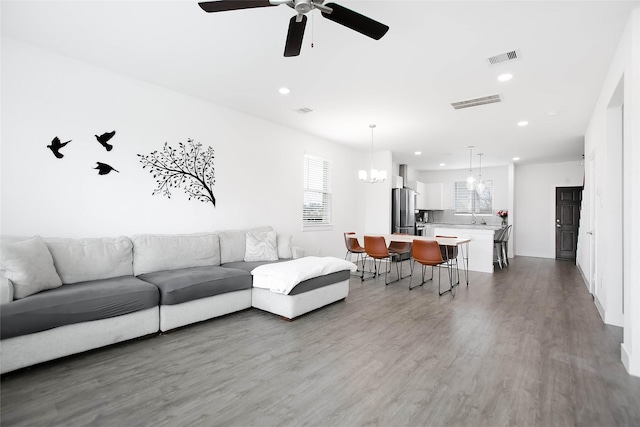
[[504, 57], [477, 101], [304, 110]]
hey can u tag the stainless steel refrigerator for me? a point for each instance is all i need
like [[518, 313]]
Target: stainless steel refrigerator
[[403, 211]]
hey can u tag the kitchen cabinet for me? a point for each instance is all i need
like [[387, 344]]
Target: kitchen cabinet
[[429, 197], [418, 187], [433, 196]]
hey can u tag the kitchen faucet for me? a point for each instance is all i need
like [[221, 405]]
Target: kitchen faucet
[[473, 218]]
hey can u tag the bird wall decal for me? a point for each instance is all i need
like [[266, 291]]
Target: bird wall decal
[[56, 145], [104, 138], [104, 168]]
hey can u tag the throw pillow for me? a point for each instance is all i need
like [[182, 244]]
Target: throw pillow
[[284, 246], [29, 266], [261, 246]]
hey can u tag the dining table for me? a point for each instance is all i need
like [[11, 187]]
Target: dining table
[[462, 243]]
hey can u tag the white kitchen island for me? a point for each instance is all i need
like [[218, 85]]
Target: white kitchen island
[[480, 247]]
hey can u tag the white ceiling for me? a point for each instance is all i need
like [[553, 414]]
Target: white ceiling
[[435, 53]]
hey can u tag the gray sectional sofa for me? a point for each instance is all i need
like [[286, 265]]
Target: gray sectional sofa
[[64, 296]]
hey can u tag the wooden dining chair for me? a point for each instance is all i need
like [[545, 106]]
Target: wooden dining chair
[[376, 248], [427, 253]]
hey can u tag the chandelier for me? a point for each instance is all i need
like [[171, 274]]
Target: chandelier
[[480, 185], [374, 175], [471, 180]]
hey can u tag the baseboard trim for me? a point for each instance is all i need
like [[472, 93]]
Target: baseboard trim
[[626, 361], [584, 278], [599, 307]]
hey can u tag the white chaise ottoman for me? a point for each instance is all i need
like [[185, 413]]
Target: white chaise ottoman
[[293, 288]]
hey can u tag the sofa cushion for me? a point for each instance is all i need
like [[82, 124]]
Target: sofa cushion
[[76, 303], [82, 260], [248, 266], [28, 264], [261, 246], [284, 246], [233, 243], [188, 284], [159, 252]]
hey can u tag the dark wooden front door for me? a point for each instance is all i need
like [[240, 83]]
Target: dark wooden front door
[[568, 200]]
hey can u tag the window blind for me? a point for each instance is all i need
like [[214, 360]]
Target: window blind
[[470, 202], [316, 208]]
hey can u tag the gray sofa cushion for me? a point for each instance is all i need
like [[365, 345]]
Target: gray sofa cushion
[[76, 303], [249, 265], [321, 281], [188, 284]]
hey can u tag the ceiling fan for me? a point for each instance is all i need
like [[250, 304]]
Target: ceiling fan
[[333, 12]]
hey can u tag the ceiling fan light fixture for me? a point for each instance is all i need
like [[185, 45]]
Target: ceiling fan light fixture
[[303, 6]]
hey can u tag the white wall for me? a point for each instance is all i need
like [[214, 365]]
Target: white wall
[[534, 205], [602, 186], [377, 197], [259, 165]]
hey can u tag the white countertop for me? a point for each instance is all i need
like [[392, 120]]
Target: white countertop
[[466, 226]]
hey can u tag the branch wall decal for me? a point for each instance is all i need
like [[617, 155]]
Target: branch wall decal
[[188, 166]]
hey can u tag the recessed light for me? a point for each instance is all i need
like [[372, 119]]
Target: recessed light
[[443, 164], [417, 153], [505, 77], [523, 123], [515, 159], [284, 91]]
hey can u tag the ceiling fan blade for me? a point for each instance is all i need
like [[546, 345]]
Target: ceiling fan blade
[[295, 35], [224, 5], [356, 21]]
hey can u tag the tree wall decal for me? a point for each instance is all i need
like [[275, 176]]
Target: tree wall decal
[[188, 165]]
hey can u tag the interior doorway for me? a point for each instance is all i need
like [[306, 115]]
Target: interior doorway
[[568, 201]]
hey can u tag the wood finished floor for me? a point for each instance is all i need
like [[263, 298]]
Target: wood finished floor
[[522, 347]]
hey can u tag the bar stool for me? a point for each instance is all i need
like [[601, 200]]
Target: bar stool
[[497, 245], [353, 247], [427, 253], [505, 247], [399, 250]]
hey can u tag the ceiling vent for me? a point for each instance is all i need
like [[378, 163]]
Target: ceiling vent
[[514, 55], [304, 110], [475, 102]]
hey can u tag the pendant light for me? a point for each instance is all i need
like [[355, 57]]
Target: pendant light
[[480, 186], [375, 175], [471, 180]]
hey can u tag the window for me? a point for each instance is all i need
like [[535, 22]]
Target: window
[[470, 202], [316, 210]]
